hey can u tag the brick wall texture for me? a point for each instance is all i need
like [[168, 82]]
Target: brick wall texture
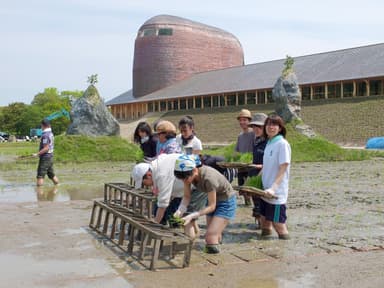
[[160, 61]]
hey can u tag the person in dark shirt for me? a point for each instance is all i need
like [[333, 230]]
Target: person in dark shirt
[[259, 143], [45, 155], [144, 137]]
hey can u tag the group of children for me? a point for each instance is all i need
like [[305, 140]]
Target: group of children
[[187, 188]]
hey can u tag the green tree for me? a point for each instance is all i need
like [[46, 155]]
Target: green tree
[[51, 101], [288, 65], [11, 117]]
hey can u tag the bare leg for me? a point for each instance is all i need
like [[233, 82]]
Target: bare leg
[[215, 229], [281, 228], [39, 181], [55, 180], [189, 230], [266, 226]]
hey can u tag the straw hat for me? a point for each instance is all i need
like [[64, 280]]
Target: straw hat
[[245, 113], [165, 126]]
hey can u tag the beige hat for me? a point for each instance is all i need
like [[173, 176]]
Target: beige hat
[[258, 119], [245, 113], [165, 126]]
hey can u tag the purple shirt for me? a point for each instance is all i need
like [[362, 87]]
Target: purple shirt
[[47, 138]]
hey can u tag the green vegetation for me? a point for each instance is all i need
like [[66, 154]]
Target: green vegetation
[[346, 121], [175, 221], [88, 149], [306, 149], [18, 118], [288, 66], [254, 181], [231, 156], [18, 148], [80, 149]]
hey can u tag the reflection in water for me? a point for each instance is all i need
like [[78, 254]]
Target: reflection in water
[[51, 193]]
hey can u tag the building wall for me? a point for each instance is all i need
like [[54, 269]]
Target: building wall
[[317, 91], [162, 60]]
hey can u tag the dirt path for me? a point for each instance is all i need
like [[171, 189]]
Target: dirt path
[[335, 217]]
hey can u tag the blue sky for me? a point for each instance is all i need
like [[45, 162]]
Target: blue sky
[[59, 43]]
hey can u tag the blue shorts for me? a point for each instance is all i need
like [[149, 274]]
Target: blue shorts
[[225, 209], [273, 212]]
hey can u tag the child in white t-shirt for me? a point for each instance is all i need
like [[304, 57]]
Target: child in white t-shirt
[[187, 138]]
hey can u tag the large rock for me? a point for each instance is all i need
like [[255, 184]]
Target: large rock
[[91, 117], [287, 96]]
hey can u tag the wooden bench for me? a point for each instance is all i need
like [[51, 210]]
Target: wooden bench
[[129, 230], [140, 201]]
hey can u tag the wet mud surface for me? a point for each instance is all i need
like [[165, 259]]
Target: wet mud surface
[[335, 218]]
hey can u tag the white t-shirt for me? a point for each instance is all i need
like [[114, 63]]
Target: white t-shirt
[[195, 143], [164, 180], [277, 152]]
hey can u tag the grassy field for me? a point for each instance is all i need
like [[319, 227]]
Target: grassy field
[[344, 122], [79, 149]]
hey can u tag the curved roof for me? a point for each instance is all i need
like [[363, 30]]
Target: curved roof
[[179, 21]]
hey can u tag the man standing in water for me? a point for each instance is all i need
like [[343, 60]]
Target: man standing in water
[[46, 155]]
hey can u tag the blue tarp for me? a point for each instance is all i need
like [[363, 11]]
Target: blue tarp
[[375, 143]]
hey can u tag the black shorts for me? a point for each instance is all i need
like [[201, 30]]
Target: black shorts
[[45, 168], [273, 212]]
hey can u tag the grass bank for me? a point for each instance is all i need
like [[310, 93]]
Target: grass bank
[[80, 149]]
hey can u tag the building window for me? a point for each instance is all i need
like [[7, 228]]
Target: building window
[[319, 92], [198, 102], [241, 99], [260, 97], [207, 102], [306, 93], [215, 101], [156, 106], [165, 32], [150, 107], [334, 91], [183, 104], [148, 32], [231, 100], [348, 89], [251, 98], [269, 97], [361, 88], [190, 103], [170, 107], [375, 87], [163, 106], [222, 101], [175, 105]]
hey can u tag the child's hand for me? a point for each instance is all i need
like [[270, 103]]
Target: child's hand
[[187, 219]]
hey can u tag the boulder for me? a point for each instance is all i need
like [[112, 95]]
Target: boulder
[[91, 117], [287, 96], [305, 130]]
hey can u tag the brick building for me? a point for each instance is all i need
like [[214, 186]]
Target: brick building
[[180, 65], [169, 49]]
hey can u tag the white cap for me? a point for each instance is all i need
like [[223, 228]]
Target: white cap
[[138, 173]]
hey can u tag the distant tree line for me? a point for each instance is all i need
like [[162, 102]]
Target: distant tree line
[[18, 118]]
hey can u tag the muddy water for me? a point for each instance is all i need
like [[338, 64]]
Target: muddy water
[[77, 181], [332, 207]]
